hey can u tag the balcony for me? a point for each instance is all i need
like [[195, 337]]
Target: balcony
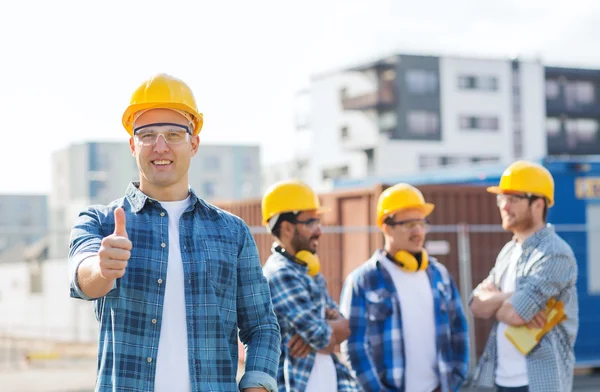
[[380, 99]]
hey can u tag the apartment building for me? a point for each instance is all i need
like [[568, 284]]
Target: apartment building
[[407, 113]]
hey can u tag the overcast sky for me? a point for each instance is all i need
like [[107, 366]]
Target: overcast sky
[[68, 68]]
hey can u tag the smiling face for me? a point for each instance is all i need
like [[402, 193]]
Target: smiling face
[[405, 230], [163, 166]]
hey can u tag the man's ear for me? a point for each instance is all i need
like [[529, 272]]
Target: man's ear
[[195, 144], [132, 146]]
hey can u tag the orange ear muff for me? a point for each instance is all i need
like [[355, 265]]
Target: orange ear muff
[[410, 262], [311, 260]]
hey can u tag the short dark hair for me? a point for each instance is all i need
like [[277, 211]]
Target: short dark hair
[[545, 211], [285, 217]]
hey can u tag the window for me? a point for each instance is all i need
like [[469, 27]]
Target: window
[[581, 131], [248, 163], [423, 123], [481, 82], [437, 161], [344, 133], [579, 93], [552, 89], [482, 123], [209, 189], [335, 172], [387, 120], [421, 82], [211, 162], [553, 126]]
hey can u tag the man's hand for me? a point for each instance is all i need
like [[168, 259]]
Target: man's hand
[[538, 321], [96, 274], [332, 314], [487, 300], [115, 250], [298, 348]]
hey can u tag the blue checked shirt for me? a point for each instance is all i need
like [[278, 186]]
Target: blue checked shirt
[[546, 269], [375, 348], [300, 302], [225, 290]]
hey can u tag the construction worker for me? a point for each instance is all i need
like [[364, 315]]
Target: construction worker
[[408, 332], [172, 277], [535, 266], [310, 322]]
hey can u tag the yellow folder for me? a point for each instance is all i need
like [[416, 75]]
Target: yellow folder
[[525, 339]]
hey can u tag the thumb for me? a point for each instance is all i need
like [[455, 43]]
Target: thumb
[[120, 223]]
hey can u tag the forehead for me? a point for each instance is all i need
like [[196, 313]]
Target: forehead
[[160, 115], [409, 214]]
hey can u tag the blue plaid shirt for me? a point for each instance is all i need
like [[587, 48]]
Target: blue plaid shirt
[[300, 302], [375, 347], [225, 290], [546, 269]]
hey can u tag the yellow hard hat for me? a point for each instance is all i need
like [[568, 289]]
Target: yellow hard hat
[[162, 91], [526, 177], [289, 196], [401, 197]]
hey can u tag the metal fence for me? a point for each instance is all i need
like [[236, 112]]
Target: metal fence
[[468, 251]]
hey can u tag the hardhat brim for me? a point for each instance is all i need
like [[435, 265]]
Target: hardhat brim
[[132, 109], [319, 211], [496, 190], [426, 208]]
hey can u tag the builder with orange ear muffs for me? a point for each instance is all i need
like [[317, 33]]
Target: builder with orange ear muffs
[[408, 332], [310, 323]]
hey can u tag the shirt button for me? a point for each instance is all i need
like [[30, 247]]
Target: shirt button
[[160, 281], [153, 321], [163, 244], [149, 359], [162, 214]]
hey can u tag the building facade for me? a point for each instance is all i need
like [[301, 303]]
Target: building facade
[[407, 113]]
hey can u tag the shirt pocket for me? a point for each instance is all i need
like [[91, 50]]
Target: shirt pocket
[[379, 306], [221, 258]]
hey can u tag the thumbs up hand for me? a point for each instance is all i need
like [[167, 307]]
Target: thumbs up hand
[[115, 250]]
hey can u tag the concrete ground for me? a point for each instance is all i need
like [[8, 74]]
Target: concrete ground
[[80, 377]]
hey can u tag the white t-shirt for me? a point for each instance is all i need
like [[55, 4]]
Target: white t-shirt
[[172, 367], [323, 376], [511, 370], [418, 327]]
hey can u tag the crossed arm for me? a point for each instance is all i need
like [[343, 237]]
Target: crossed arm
[[547, 278]]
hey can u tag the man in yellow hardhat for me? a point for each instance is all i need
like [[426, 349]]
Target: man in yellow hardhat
[[309, 319], [172, 277], [534, 267], [408, 332]]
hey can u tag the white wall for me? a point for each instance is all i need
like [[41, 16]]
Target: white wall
[[326, 119], [51, 314], [456, 102], [533, 112]]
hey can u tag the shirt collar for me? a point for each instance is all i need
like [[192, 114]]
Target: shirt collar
[[535, 238], [138, 199]]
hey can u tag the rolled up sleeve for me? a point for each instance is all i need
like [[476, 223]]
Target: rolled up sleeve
[[86, 238], [258, 327], [548, 277]]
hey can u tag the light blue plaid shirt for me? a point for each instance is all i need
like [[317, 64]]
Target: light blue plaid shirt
[[300, 301], [224, 289], [375, 347], [546, 269]]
